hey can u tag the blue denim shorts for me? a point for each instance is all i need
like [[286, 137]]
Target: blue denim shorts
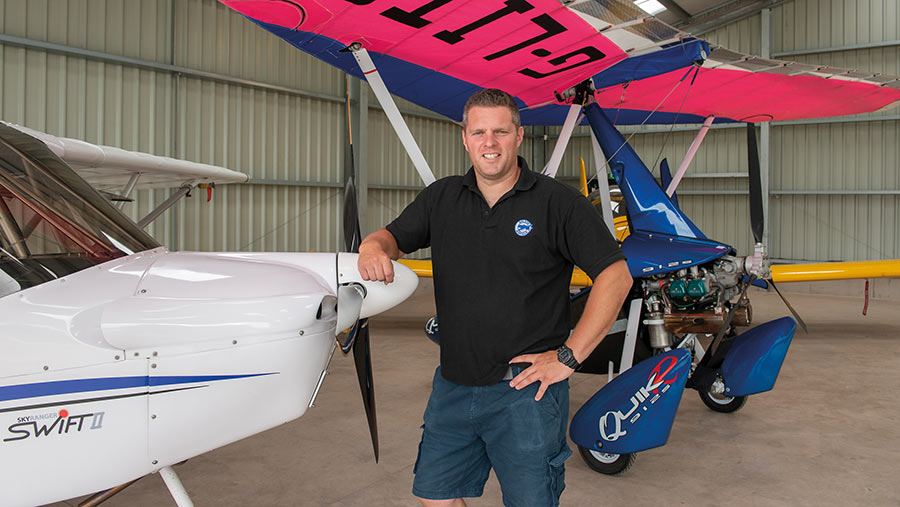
[[469, 429]]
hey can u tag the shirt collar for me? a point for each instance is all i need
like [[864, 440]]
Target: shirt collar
[[526, 180]]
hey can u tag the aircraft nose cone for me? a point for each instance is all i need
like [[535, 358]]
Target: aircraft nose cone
[[379, 297]]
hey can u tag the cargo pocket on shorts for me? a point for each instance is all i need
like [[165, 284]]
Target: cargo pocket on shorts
[[558, 472]]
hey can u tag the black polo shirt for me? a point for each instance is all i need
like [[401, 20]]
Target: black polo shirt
[[501, 274]]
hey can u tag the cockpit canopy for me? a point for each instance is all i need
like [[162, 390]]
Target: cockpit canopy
[[52, 222]]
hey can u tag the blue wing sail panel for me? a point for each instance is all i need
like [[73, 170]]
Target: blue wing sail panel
[[446, 95], [635, 411], [653, 64]]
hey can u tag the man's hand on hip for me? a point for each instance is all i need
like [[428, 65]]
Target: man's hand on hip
[[545, 368]]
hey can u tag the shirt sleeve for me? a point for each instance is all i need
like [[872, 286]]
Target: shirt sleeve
[[588, 242], [412, 229]]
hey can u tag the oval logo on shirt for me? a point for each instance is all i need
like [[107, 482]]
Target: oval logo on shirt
[[523, 227]]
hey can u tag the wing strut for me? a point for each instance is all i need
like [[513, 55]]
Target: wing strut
[[603, 184], [129, 187], [176, 489], [690, 155], [367, 66], [168, 203], [563, 140]]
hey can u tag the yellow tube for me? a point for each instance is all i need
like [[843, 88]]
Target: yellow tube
[[836, 271], [420, 268], [582, 180], [424, 270]]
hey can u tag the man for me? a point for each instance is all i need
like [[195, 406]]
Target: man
[[503, 241]]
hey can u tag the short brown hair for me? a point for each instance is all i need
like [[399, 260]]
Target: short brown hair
[[492, 97]]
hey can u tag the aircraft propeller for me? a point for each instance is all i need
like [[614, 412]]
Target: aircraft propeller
[[755, 183], [358, 337], [757, 218]]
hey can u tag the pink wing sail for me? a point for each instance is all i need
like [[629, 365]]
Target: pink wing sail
[[436, 53]]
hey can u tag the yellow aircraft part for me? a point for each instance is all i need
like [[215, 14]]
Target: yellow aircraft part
[[620, 224], [423, 269], [582, 180], [835, 271], [420, 268], [580, 279]]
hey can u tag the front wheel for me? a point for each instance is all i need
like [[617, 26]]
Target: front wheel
[[721, 403], [605, 463]]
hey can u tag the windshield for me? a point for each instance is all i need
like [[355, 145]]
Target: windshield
[[52, 222]]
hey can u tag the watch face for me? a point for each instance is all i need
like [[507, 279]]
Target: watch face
[[565, 356]]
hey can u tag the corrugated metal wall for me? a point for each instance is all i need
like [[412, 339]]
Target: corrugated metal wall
[[290, 140], [836, 190], [389, 166], [87, 99]]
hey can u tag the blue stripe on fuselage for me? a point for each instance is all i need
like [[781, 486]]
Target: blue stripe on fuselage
[[38, 389]]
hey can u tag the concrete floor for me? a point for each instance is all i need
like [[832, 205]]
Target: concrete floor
[[828, 434]]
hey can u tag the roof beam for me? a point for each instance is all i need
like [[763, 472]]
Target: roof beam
[[724, 14], [673, 7]]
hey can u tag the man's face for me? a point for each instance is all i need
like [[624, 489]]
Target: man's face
[[492, 140]]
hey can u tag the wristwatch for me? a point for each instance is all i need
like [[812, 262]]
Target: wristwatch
[[565, 356]]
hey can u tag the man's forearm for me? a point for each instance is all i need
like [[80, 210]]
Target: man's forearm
[[375, 255], [603, 304], [381, 240]]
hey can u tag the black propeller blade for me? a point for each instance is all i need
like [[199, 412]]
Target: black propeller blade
[[351, 217], [362, 355], [756, 208], [756, 197]]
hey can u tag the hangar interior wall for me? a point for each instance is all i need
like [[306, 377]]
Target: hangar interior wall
[[244, 100], [278, 115]]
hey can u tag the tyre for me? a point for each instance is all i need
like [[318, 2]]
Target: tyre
[[609, 464], [721, 403]]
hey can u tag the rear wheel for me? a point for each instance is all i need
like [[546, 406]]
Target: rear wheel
[[722, 403], [606, 463]]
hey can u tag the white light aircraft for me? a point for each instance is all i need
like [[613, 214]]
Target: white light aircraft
[[120, 358]]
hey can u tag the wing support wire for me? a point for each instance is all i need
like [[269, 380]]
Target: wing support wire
[[676, 179], [367, 66]]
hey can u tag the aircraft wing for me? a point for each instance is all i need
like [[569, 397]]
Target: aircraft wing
[[437, 53], [110, 169]]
